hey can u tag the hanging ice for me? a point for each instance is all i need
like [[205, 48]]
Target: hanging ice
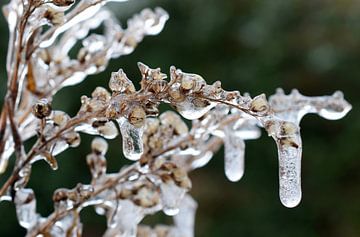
[[234, 148], [26, 208], [171, 196], [132, 139], [284, 128], [185, 220]]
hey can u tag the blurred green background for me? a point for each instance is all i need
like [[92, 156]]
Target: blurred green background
[[251, 46]]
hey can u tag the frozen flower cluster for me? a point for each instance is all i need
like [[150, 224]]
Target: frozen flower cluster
[[163, 148]]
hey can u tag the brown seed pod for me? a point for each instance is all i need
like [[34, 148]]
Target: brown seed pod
[[259, 104], [42, 109], [137, 116]]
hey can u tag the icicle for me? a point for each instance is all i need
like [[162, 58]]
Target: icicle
[[171, 196], [288, 140], [185, 220], [234, 148], [26, 208], [132, 139]]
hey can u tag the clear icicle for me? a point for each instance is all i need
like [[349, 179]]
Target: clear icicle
[[288, 140], [185, 220], [284, 128], [289, 173], [171, 196], [132, 139], [234, 148], [26, 208]]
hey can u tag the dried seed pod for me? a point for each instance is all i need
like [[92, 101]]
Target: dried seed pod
[[101, 93], [99, 146], [54, 17], [158, 86], [259, 104], [146, 197], [137, 116], [119, 82], [287, 129], [60, 118], [176, 95], [173, 119], [187, 83], [62, 3], [42, 109], [72, 139]]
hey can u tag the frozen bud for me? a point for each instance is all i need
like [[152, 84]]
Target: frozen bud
[[288, 142], [152, 125], [84, 191], [42, 109], [147, 197], [143, 69], [60, 118], [97, 164], [129, 44], [108, 130], [99, 145], [259, 104], [101, 93], [179, 174], [185, 183], [125, 193], [72, 139], [288, 129], [60, 194], [62, 3], [54, 17], [176, 95], [173, 119], [119, 82], [158, 86], [137, 116], [187, 83]]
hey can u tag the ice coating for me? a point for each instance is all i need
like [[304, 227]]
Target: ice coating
[[131, 139]]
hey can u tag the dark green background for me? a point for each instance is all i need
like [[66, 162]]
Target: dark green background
[[251, 46]]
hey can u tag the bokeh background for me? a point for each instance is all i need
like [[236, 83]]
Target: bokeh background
[[251, 46]]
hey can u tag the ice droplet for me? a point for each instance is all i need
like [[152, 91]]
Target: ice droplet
[[132, 139], [234, 148], [171, 196], [26, 208]]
